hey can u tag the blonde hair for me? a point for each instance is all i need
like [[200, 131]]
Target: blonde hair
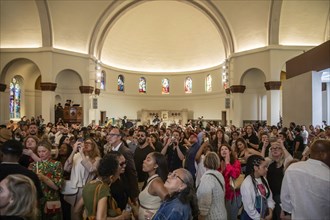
[[95, 152], [212, 161], [24, 195]]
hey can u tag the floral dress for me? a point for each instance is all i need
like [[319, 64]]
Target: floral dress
[[54, 171]]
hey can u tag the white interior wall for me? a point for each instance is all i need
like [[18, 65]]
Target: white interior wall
[[302, 99]]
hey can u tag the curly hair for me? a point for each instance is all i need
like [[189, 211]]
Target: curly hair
[[108, 166]]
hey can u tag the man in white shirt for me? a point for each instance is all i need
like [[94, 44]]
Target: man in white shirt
[[304, 134], [305, 189]]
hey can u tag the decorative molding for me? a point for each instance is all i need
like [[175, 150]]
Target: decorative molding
[[86, 89], [227, 91], [2, 87], [237, 89], [48, 86], [97, 91], [273, 85]]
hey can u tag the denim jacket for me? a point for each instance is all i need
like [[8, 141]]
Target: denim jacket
[[173, 209]]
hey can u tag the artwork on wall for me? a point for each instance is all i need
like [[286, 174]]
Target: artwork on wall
[[15, 98], [208, 83], [121, 83], [165, 86], [142, 85], [188, 85]]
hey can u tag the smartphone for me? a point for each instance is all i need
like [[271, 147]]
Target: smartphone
[[80, 140]]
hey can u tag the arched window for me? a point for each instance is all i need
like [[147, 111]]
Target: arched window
[[15, 98], [102, 81], [165, 86], [208, 83], [142, 85], [121, 85], [188, 85]]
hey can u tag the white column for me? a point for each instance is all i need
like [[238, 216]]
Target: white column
[[316, 98], [47, 106], [273, 107], [87, 107], [236, 109]]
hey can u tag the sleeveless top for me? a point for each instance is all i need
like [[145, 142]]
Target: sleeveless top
[[147, 201]]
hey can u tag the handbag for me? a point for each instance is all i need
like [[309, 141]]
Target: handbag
[[235, 184], [68, 189], [52, 207]]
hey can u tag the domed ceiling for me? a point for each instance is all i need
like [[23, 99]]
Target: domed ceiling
[[162, 35]]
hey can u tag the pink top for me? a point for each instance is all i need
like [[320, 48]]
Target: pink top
[[231, 170]]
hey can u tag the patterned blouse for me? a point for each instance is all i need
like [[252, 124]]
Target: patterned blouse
[[54, 171]]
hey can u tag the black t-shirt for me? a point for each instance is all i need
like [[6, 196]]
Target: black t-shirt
[[120, 191], [7, 169], [173, 160], [275, 176], [140, 155], [253, 139], [299, 139]]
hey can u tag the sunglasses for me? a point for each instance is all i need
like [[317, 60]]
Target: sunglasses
[[122, 164]]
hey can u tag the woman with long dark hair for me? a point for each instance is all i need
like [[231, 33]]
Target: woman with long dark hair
[[230, 168], [256, 195], [154, 192]]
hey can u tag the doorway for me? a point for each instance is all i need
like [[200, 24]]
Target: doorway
[[224, 118], [102, 117]]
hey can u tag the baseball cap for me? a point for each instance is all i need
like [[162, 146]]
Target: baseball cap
[[12, 147]]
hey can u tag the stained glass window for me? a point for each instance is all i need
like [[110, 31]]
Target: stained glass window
[[102, 83], [208, 83], [15, 99], [121, 81], [165, 86], [188, 85], [142, 85]]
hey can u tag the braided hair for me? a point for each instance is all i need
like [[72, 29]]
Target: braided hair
[[256, 160]]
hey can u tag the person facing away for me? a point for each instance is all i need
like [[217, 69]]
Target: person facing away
[[18, 198], [305, 187]]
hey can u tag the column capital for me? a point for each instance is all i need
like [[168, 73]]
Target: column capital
[[237, 88], [2, 87], [97, 91], [86, 89], [48, 86], [227, 91], [273, 85]]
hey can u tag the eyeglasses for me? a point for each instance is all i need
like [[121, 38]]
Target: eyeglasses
[[122, 163], [140, 135], [111, 135], [174, 175], [88, 142]]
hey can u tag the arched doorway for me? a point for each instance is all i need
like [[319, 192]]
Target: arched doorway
[[254, 100]]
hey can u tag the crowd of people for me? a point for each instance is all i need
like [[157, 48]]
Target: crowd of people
[[57, 171]]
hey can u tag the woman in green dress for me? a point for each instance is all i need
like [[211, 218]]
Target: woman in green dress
[[96, 196]]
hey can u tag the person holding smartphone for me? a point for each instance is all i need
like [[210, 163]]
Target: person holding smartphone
[[83, 163]]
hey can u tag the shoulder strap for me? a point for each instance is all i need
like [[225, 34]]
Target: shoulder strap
[[96, 194], [217, 179], [152, 179]]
